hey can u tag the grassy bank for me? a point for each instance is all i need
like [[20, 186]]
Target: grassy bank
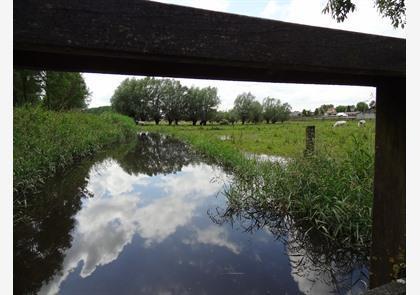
[[328, 194], [45, 141], [287, 139]]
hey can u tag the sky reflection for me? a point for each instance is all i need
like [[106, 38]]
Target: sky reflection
[[121, 207]]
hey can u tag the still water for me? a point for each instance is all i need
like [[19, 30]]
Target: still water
[[143, 218]]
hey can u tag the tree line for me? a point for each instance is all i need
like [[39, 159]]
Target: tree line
[[151, 99], [359, 107], [54, 90]]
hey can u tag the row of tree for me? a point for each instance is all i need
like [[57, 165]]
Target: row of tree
[[248, 109], [54, 90], [156, 99], [359, 107]]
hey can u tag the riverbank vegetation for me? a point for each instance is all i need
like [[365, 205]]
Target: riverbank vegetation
[[328, 194], [45, 141], [50, 128]]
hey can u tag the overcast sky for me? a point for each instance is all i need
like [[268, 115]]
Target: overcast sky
[[365, 19]]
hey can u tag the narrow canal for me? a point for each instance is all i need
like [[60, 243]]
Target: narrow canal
[[144, 218]]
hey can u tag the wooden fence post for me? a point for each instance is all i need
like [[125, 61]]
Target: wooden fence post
[[388, 232], [310, 140]]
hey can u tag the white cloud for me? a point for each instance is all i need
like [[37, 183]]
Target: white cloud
[[110, 178], [108, 221], [273, 9], [213, 235], [102, 87], [365, 18], [215, 5]]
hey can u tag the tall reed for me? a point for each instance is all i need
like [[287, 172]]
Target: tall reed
[[45, 141]]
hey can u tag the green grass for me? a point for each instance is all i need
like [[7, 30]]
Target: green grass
[[45, 141], [287, 139], [328, 194]]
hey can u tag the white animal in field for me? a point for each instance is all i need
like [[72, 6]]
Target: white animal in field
[[361, 123], [339, 123]]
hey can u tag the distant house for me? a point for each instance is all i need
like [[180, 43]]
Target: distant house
[[330, 112], [352, 114], [295, 114]]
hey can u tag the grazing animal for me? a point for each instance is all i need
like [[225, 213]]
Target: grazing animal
[[339, 123], [361, 123]]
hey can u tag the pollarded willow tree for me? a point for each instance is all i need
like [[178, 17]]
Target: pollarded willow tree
[[284, 113], [128, 99], [275, 111], [155, 93], [256, 112], [269, 108], [209, 101], [243, 106], [201, 104], [174, 103], [140, 98], [193, 105], [154, 99], [231, 116]]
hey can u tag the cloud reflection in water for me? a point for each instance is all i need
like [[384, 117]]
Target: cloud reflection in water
[[123, 205]]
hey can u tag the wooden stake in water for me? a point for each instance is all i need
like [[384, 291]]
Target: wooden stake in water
[[310, 140]]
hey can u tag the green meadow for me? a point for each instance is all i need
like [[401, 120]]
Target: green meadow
[[283, 139]]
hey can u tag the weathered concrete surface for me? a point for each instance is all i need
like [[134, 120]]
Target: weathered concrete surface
[[151, 38], [393, 288], [389, 227]]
